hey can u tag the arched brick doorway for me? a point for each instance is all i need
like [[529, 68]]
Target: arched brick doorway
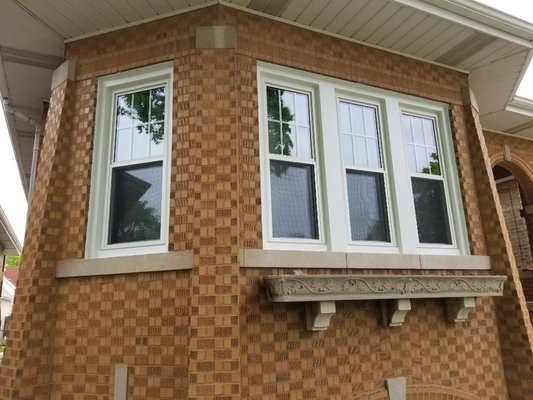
[[515, 191]]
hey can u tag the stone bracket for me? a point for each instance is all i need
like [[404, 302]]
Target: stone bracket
[[318, 314], [394, 311], [458, 308], [320, 292]]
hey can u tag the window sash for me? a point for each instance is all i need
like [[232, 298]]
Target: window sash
[[109, 87]]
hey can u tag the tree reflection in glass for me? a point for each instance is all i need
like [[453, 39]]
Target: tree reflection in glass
[[136, 187], [292, 175], [140, 124]]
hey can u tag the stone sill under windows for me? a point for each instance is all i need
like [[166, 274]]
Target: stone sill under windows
[[171, 261], [319, 293], [258, 258]]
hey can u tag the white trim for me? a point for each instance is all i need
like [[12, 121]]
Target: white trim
[[99, 198], [333, 202], [520, 105], [493, 24]]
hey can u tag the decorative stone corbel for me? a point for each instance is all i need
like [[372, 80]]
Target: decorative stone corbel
[[397, 388], [318, 314], [458, 308], [394, 311], [320, 292]]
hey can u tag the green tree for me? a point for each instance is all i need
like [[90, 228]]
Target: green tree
[[147, 109], [12, 262]]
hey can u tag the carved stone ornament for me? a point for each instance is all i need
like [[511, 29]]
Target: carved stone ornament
[[321, 291], [295, 288]]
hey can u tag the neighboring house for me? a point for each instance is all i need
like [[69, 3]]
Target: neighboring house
[[267, 200], [9, 284], [9, 245]]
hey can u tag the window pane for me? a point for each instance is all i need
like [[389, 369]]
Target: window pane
[[345, 117], [347, 150], [274, 137], [288, 133], [157, 112], [294, 213], [123, 144], [141, 105], [156, 136], [125, 114], [141, 142], [302, 108], [273, 103], [135, 213], [304, 143], [431, 211], [360, 151], [368, 211]]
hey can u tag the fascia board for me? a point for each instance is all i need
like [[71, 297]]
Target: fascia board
[[478, 17]]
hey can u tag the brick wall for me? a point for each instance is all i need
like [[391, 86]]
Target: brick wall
[[511, 202], [209, 332]]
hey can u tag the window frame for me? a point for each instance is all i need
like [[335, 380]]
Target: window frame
[[98, 224], [298, 86], [332, 196]]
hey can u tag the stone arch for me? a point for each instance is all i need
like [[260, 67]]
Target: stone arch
[[520, 170], [421, 392]]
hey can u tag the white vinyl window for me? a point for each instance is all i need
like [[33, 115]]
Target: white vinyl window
[[346, 167], [128, 210]]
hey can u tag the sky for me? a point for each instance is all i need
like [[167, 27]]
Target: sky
[[13, 200]]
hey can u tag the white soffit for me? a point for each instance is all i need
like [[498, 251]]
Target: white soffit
[[9, 243]]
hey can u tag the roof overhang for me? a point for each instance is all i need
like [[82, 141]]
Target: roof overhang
[[492, 47], [9, 243]]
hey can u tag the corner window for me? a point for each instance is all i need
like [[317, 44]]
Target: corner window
[[128, 210], [346, 167]]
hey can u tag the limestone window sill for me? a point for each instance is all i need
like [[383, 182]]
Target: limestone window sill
[[258, 258], [171, 261]]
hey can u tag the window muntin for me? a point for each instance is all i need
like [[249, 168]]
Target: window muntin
[[377, 162], [292, 165], [128, 205]]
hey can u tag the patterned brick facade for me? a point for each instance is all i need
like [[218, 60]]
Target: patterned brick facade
[[209, 332]]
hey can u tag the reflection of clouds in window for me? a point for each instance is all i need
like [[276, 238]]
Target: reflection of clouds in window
[[360, 143], [140, 124], [420, 143], [289, 125]]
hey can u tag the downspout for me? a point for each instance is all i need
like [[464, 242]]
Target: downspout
[[36, 144]]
